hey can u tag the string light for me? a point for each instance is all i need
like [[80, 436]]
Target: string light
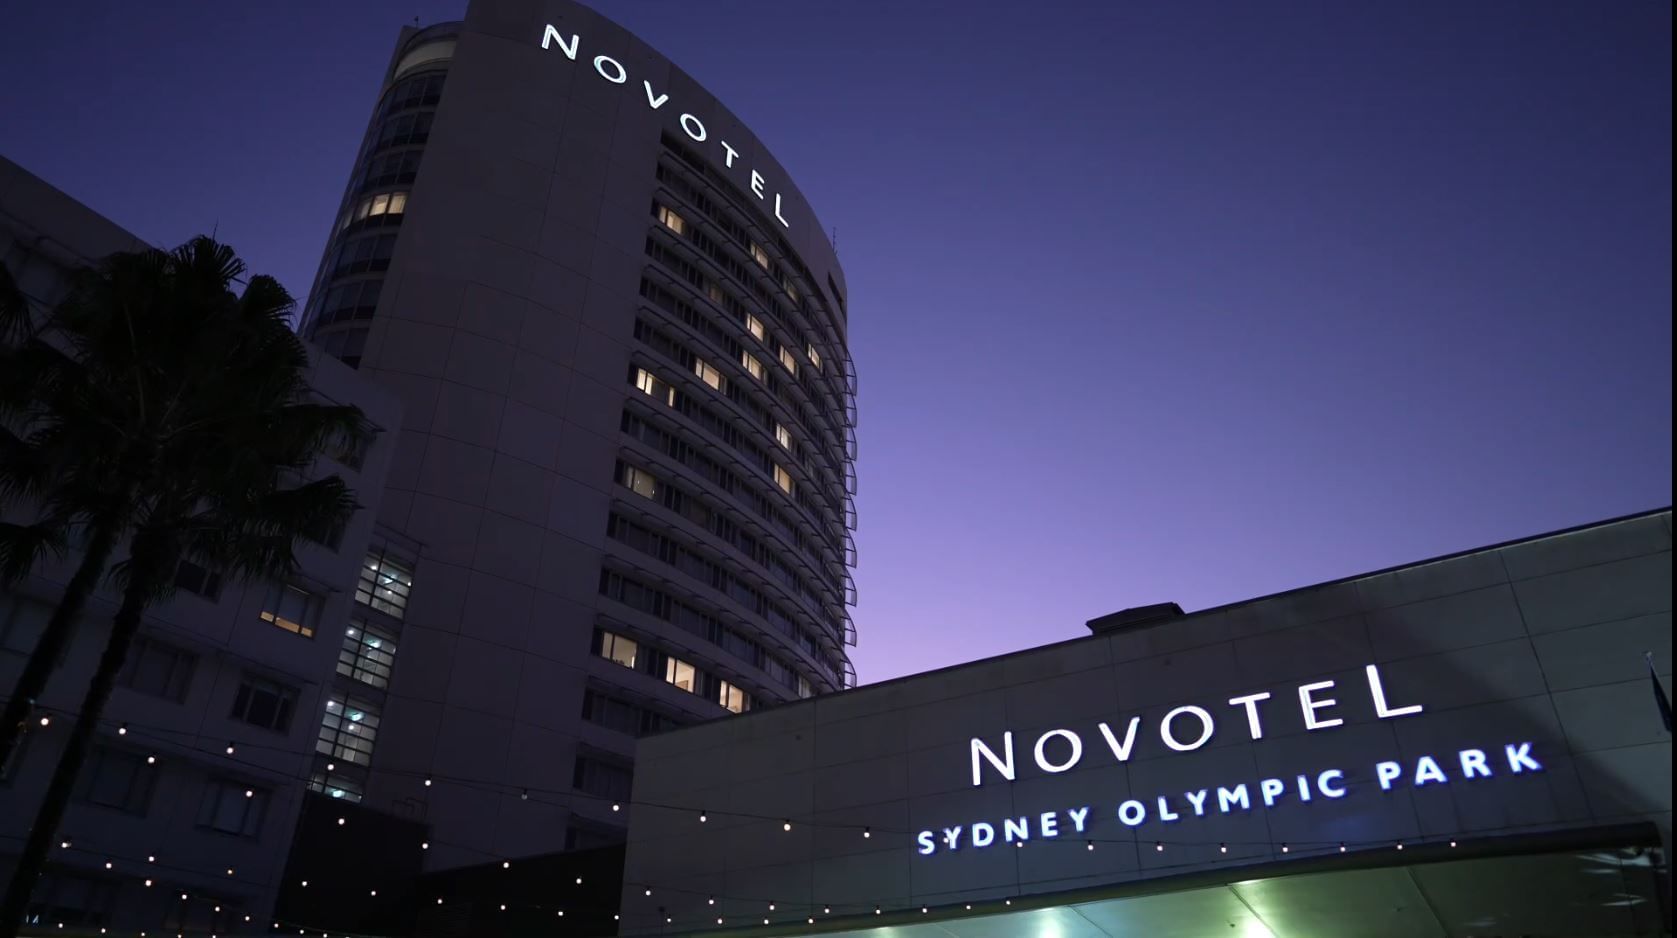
[[1452, 843], [867, 832], [1223, 848], [122, 730], [151, 760], [425, 845], [710, 901], [1089, 844], [702, 817], [229, 748], [524, 794], [340, 822], [1159, 846], [1341, 848], [1400, 845], [427, 781], [507, 865], [786, 825], [46, 721]]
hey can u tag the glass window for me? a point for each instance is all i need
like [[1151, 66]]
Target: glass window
[[614, 647], [385, 584], [754, 326], [752, 365], [707, 373], [813, 356], [398, 203], [759, 255], [783, 436], [264, 703], [714, 291], [348, 729], [804, 690], [791, 289], [681, 674], [159, 669], [292, 608], [783, 479], [671, 220], [368, 655], [67, 899], [336, 786], [787, 360], [233, 807], [606, 779], [21, 624], [118, 779], [195, 579], [640, 482], [426, 54], [732, 697], [380, 203]]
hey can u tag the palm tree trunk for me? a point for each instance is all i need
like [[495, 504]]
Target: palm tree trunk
[[21, 704], [51, 813]]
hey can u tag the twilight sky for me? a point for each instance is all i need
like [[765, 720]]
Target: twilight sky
[[1189, 301]]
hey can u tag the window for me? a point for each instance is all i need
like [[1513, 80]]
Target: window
[[783, 436], [614, 647], [786, 359], [385, 584], [233, 807], [804, 690], [752, 365], [671, 220], [715, 293], [347, 730], [159, 669], [345, 345], [640, 482], [759, 255], [336, 786], [783, 479], [813, 355], [707, 373], [606, 779], [613, 714], [653, 386], [754, 326], [791, 289], [195, 579], [368, 655], [363, 254], [681, 674], [732, 697], [440, 50], [292, 608], [118, 779], [265, 703], [21, 624], [63, 898]]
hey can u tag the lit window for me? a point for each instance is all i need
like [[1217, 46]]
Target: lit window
[[614, 647], [714, 292], [398, 203], [385, 585], [814, 356], [640, 482], [681, 674], [233, 807], [368, 655], [754, 326], [292, 609], [347, 730], [733, 698], [648, 382], [787, 360], [804, 690], [336, 787], [707, 373], [783, 479], [671, 220], [752, 365], [783, 436], [791, 289], [760, 256], [381, 203]]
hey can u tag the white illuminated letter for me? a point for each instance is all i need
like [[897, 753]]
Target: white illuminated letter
[[779, 217], [1311, 705], [1015, 830], [688, 123], [1165, 813], [983, 834], [552, 35], [1077, 816], [1271, 789], [600, 66], [1250, 702], [1378, 691], [1068, 736], [728, 160], [1428, 770], [656, 102], [1121, 750], [1331, 775], [1520, 760], [757, 183], [1304, 788], [1199, 802], [1227, 799], [1048, 825], [1132, 813], [1170, 738], [952, 836], [927, 843], [1473, 764], [1003, 765], [1386, 772]]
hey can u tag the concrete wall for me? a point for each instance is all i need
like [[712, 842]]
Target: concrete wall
[[1540, 641]]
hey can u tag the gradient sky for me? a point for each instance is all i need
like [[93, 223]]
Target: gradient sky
[[1189, 301]]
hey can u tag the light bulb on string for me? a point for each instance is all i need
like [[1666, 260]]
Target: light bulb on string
[[1089, 844], [427, 782], [1159, 846], [46, 721], [229, 748], [122, 730], [524, 794], [867, 832], [786, 825], [702, 817], [1286, 849]]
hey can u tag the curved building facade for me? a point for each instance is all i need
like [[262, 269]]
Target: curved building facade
[[625, 470]]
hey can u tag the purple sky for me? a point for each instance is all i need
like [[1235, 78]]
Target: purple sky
[[1184, 301]]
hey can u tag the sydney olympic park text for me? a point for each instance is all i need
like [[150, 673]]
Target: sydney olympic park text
[[1187, 728]]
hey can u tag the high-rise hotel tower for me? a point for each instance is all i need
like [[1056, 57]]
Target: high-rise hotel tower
[[624, 477]]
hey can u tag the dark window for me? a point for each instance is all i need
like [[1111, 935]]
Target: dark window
[[159, 668], [233, 807], [119, 779], [21, 624], [265, 703], [62, 898], [195, 579], [346, 346], [605, 779]]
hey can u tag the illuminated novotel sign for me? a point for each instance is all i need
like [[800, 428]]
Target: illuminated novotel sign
[[1188, 728], [613, 71]]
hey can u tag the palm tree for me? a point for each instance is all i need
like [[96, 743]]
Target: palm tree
[[210, 417]]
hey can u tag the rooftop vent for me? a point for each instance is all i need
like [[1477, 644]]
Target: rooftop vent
[[1135, 617]]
